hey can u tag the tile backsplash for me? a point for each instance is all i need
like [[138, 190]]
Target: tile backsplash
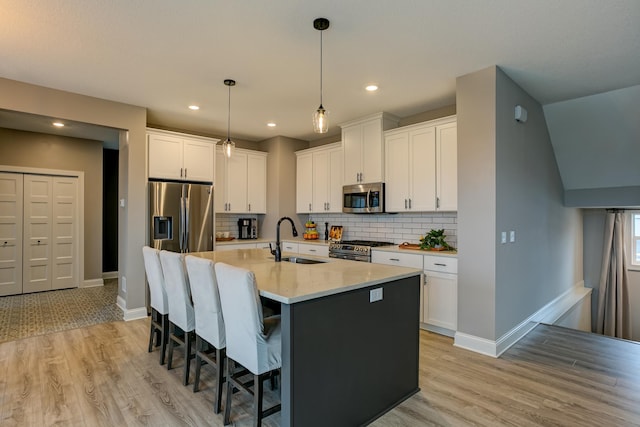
[[229, 222], [395, 228]]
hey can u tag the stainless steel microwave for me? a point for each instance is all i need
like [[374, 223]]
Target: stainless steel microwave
[[363, 198]]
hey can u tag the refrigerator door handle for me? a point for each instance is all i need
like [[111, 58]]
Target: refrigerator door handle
[[181, 237], [186, 224]]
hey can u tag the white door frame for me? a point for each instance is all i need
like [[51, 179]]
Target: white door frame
[[80, 207]]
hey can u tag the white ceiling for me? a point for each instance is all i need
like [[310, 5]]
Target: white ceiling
[[167, 54]]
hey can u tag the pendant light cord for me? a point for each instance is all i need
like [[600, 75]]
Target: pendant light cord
[[229, 116], [320, 67]]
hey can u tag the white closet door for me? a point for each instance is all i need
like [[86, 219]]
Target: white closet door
[[64, 239], [10, 233], [37, 233]]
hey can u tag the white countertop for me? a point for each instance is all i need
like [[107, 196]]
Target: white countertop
[[395, 248], [290, 283], [265, 240]]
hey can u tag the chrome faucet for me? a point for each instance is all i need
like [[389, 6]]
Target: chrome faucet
[[277, 252]]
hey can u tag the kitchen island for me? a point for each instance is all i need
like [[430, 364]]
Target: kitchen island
[[349, 335]]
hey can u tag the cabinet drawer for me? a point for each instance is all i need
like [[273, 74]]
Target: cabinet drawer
[[235, 246], [311, 249], [263, 245], [441, 263], [289, 247], [393, 258]]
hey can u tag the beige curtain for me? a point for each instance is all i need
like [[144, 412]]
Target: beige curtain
[[614, 318]]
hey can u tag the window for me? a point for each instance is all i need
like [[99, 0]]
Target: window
[[635, 238]]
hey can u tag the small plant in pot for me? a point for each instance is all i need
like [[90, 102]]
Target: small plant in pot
[[434, 241]]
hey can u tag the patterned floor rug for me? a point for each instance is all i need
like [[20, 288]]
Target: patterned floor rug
[[40, 313]]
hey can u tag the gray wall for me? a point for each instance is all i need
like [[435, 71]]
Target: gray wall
[[546, 258], [476, 117], [508, 180], [281, 184], [23, 97], [35, 150]]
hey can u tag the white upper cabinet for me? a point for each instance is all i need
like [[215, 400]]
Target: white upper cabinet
[[421, 167], [447, 167], [319, 179], [304, 182], [180, 157], [363, 148], [241, 182]]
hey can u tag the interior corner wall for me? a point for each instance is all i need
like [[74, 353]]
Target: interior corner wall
[[281, 184], [24, 97], [475, 103], [37, 150], [546, 258]]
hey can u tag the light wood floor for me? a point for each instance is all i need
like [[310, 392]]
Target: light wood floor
[[102, 375]]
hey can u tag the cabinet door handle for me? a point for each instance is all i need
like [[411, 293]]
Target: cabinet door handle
[[437, 202], [405, 203], [185, 172], [440, 264], [180, 172], [394, 259], [312, 250], [309, 207], [249, 207], [409, 203]]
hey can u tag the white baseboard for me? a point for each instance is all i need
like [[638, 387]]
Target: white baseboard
[[476, 344], [109, 274], [550, 313], [91, 283], [132, 314]]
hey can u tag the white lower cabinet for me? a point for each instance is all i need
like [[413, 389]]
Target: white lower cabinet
[[396, 258], [289, 247], [313, 249], [233, 246], [440, 294]]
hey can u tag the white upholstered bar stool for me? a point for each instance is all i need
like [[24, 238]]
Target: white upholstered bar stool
[[181, 313], [251, 341], [209, 322], [159, 305]]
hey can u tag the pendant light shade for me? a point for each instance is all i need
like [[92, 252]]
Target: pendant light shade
[[228, 145], [320, 119]]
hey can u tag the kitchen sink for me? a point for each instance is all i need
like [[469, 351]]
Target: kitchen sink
[[299, 260]]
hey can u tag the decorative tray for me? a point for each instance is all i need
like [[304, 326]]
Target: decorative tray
[[224, 239]]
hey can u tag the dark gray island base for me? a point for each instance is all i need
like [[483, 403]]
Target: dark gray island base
[[347, 361]]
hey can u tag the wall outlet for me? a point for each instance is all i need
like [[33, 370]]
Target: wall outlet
[[512, 236], [124, 284], [375, 295], [503, 237]]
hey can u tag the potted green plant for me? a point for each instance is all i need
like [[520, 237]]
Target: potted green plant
[[434, 240]]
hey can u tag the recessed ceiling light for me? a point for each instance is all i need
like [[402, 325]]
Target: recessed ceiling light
[[194, 107], [271, 124], [371, 88], [58, 124]]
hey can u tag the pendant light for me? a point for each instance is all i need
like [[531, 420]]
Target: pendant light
[[228, 145], [320, 122]]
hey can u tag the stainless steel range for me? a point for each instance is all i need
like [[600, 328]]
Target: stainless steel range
[[355, 250]]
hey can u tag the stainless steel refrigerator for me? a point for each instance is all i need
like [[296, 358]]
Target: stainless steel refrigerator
[[181, 216]]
